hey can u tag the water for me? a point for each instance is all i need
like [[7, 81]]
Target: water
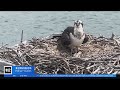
[[43, 23]]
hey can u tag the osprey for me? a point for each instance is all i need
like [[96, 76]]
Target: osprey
[[73, 36]]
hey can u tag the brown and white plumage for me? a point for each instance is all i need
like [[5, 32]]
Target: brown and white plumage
[[73, 36]]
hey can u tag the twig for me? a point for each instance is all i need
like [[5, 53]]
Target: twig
[[96, 71], [21, 37], [91, 66], [23, 59], [29, 50], [112, 37]]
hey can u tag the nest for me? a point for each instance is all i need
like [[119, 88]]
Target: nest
[[99, 55]]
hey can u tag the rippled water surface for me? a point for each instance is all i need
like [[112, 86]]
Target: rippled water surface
[[43, 23]]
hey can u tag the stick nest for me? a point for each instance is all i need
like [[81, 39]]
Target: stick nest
[[99, 55]]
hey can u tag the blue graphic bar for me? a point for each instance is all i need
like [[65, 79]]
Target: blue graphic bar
[[20, 71], [58, 75], [77, 75], [28, 71]]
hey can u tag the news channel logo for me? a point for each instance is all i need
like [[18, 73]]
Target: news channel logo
[[7, 69]]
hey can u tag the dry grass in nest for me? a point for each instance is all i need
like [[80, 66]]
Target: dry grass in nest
[[98, 56]]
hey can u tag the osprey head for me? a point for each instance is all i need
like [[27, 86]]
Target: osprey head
[[78, 23]]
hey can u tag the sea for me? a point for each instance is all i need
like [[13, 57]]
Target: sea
[[39, 24]]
